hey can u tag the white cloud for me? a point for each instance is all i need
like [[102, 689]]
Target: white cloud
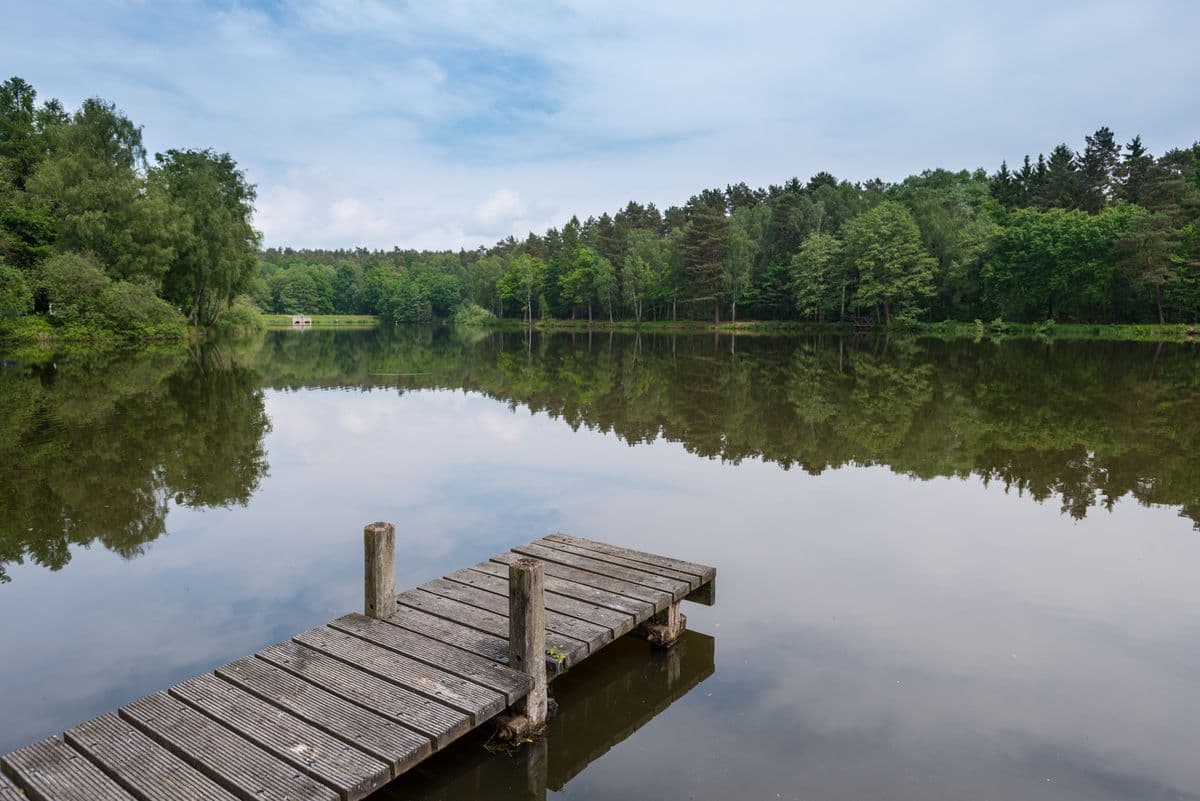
[[368, 123], [502, 206]]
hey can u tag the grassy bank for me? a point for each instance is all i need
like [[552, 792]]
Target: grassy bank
[[324, 320], [949, 330]]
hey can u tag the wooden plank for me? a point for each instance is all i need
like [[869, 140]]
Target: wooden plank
[[691, 580], [660, 599], [228, 759], [702, 572], [510, 683], [441, 723], [619, 623], [322, 756], [140, 765], [51, 770], [641, 611], [9, 791], [478, 702], [594, 635], [385, 739], [678, 589], [687, 578], [469, 639], [485, 621]]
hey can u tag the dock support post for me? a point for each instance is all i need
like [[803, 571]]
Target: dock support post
[[527, 642], [379, 570], [665, 628]]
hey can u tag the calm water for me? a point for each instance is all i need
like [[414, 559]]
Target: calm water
[[963, 570]]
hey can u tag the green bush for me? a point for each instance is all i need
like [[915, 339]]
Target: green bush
[[472, 314], [15, 296], [134, 311], [71, 284], [243, 315], [86, 302]]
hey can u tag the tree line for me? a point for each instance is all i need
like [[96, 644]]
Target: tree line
[[98, 236], [1105, 234]]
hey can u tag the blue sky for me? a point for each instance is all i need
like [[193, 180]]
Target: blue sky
[[457, 123]]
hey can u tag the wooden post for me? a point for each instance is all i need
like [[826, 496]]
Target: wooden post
[[379, 569], [527, 635], [665, 628]]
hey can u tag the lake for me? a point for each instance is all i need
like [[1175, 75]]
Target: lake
[[946, 569]]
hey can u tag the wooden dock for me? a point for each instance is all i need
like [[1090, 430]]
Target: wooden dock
[[339, 711]]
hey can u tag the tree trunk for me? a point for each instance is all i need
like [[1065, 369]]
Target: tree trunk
[[717, 313], [589, 314], [733, 313], [1158, 301]]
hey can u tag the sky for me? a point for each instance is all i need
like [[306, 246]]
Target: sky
[[455, 124]]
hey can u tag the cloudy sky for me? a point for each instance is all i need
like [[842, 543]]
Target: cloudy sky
[[455, 123]]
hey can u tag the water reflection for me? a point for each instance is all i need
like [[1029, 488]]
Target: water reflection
[[93, 449], [898, 617], [602, 702], [1084, 422]]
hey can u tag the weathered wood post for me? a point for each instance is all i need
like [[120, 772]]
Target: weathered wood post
[[666, 627], [527, 636], [379, 569]]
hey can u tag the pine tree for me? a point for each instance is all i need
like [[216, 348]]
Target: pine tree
[[1135, 172], [1096, 167]]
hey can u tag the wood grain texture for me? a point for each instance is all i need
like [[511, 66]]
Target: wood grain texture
[[486, 621], [227, 758], [141, 765], [465, 665], [464, 637], [479, 702], [320, 755], [9, 791], [379, 569], [676, 587], [618, 623], [637, 609], [527, 635], [439, 722], [594, 635], [399, 747], [702, 572], [659, 598], [51, 770]]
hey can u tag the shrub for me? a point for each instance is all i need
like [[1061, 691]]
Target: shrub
[[472, 314], [15, 296], [71, 284], [134, 311], [242, 315]]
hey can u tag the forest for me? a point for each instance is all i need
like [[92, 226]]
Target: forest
[[1108, 234], [105, 244], [96, 237]]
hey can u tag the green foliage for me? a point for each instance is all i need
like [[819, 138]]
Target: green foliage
[[214, 245], [243, 315], [819, 278], [472, 314], [1057, 264], [15, 296], [895, 272], [78, 187], [81, 297]]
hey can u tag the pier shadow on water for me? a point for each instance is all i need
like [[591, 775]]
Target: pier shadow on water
[[602, 702]]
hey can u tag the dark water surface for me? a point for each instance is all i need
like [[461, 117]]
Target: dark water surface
[[947, 570]]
